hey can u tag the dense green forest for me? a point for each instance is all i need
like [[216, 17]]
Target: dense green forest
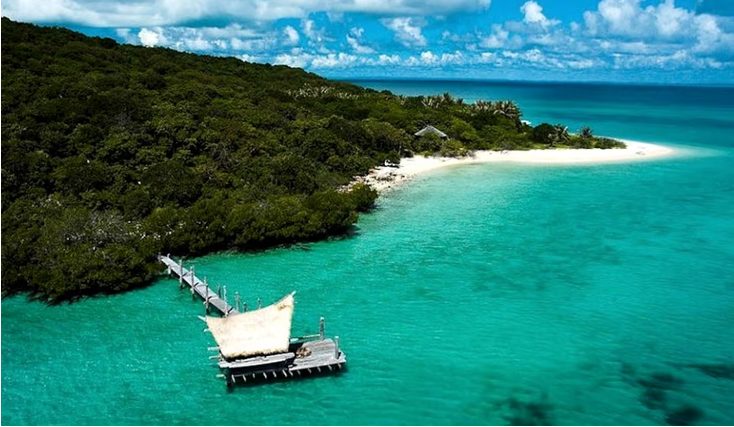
[[114, 153]]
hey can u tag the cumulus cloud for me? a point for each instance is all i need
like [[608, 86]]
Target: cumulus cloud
[[354, 40], [500, 38], [152, 37], [299, 58], [534, 29], [669, 27], [291, 36], [232, 38], [408, 31], [334, 60], [628, 18], [249, 58], [534, 15], [388, 59]]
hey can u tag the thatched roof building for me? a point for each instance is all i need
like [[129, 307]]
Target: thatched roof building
[[431, 130]]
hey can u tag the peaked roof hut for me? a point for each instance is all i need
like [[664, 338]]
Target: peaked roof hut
[[431, 130]]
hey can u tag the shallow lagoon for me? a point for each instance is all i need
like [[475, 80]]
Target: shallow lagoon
[[484, 294]]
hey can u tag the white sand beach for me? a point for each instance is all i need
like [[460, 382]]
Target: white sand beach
[[388, 177]]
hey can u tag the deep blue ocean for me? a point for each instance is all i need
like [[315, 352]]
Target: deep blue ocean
[[481, 294]]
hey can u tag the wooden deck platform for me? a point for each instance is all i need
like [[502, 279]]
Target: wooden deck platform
[[322, 356]]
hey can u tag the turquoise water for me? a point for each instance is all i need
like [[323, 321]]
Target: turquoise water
[[482, 294]]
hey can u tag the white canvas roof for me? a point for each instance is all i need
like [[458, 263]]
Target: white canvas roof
[[258, 332], [431, 129]]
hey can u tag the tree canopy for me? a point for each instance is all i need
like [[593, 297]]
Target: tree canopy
[[114, 153]]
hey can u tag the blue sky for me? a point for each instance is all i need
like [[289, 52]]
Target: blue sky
[[663, 41]]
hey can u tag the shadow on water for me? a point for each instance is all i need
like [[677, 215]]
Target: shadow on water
[[523, 408], [658, 392], [527, 413], [686, 415], [655, 389], [722, 371]]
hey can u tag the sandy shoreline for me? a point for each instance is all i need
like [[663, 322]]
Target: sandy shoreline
[[388, 177]]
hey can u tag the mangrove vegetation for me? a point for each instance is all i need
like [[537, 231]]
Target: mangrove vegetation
[[114, 153]]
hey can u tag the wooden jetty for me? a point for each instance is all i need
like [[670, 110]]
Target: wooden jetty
[[198, 287], [256, 345]]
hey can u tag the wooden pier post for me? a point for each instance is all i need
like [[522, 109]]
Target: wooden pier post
[[193, 281], [237, 301], [180, 273], [206, 299], [336, 347], [321, 329], [219, 290], [224, 291]]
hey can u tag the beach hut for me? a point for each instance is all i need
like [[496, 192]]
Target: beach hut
[[431, 130]]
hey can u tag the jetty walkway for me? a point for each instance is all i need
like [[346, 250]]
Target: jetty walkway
[[217, 299]]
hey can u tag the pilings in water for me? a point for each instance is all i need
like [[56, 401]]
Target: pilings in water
[[212, 298], [198, 287]]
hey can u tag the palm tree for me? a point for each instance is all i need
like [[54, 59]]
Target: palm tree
[[559, 135], [507, 108], [446, 98], [482, 106], [586, 132]]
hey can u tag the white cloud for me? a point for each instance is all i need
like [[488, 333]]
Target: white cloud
[[629, 18], [232, 38], [500, 38], [308, 26], [292, 37], [455, 58], [296, 59], [354, 40], [486, 58], [388, 59], [152, 38], [407, 31], [249, 58], [535, 29], [534, 15], [302, 59], [358, 48], [668, 27], [254, 44], [677, 60], [126, 34], [429, 58], [333, 60]]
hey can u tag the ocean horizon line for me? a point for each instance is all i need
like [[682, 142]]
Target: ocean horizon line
[[719, 85]]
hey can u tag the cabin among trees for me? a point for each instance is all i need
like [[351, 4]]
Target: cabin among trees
[[430, 140], [430, 130]]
